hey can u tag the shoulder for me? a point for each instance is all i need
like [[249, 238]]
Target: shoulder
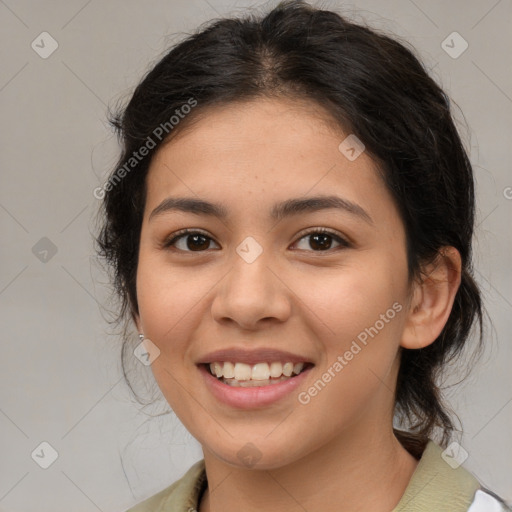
[[440, 483], [181, 496]]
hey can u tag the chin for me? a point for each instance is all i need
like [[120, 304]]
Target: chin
[[256, 455]]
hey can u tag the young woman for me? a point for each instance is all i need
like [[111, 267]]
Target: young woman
[[290, 229]]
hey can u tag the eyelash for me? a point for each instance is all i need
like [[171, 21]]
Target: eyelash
[[180, 234]]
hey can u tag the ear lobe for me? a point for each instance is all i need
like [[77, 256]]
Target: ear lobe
[[432, 301]]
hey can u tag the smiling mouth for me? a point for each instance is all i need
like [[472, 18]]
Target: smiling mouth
[[257, 375]]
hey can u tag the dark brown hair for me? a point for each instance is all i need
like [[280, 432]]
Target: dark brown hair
[[374, 87]]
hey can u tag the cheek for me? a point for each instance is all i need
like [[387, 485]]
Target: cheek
[[349, 299], [167, 304], [165, 300], [356, 319]]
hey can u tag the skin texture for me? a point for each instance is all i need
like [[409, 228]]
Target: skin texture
[[337, 452]]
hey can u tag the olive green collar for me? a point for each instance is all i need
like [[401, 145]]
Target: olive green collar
[[435, 485]]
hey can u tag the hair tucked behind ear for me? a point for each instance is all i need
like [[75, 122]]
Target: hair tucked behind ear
[[372, 86]]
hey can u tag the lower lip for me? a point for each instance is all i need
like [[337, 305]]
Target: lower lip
[[250, 398]]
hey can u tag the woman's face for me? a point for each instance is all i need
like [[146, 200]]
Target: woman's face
[[251, 283]]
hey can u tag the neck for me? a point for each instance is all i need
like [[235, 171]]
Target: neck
[[365, 469]]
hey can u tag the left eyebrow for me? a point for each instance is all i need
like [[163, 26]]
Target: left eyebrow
[[279, 211]]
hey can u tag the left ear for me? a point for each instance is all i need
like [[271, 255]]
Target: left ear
[[432, 299]]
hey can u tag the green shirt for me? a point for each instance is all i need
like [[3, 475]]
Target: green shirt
[[434, 487]]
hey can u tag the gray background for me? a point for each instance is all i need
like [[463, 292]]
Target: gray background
[[59, 370]]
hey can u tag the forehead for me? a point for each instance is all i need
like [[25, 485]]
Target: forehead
[[276, 121], [267, 151]]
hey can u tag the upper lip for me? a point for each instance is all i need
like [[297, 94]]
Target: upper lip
[[254, 356]]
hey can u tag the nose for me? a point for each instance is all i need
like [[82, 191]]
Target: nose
[[252, 294]]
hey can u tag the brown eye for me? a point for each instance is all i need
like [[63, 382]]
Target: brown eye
[[321, 239], [189, 241]]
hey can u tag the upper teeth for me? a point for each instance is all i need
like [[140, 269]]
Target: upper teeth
[[259, 371]]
